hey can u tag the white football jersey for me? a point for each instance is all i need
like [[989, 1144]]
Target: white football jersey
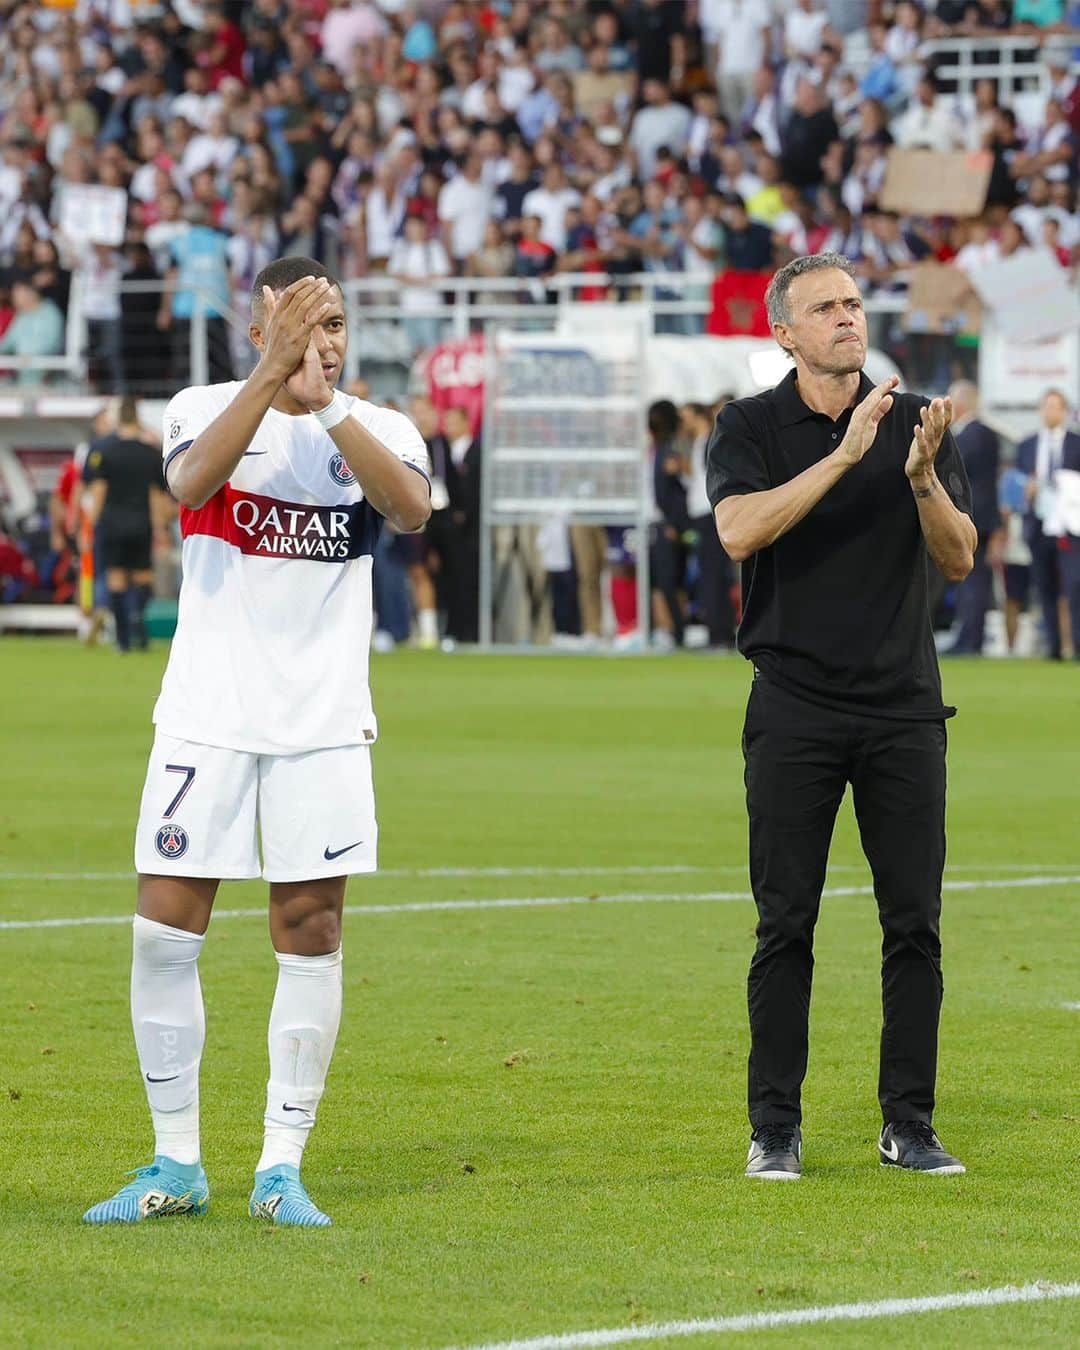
[[271, 648]]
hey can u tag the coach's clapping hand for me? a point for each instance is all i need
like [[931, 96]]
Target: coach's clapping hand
[[927, 438], [865, 419], [289, 321]]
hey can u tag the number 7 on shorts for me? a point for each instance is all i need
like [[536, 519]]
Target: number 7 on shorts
[[188, 770]]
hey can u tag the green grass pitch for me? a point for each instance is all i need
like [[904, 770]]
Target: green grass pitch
[[535, 1119]]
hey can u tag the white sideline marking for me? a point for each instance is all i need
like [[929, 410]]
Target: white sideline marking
[[836, 1312], [551, 901], [1071, 1007], [631, 869]]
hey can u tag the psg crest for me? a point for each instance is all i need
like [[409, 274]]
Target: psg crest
[[171, 842], [340, 472]]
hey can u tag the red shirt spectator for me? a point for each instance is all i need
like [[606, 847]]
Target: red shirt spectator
[[225, 56]]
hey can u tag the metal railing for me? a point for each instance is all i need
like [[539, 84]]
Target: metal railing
[[1014, 63], [385, 336]]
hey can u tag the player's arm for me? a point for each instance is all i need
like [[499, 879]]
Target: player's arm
[[95, 500], [396, 491], [754, 520], [399, 493], [209, 462], [950, 534]]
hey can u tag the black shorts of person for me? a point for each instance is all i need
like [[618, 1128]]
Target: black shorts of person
[[846, 689], [125, 547]]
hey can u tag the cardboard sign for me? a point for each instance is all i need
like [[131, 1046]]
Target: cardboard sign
[[936, 183], [1030, 294], [941, 299], [93, 213]]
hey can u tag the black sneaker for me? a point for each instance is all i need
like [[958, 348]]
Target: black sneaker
[[775, 1153], [914, 1145]]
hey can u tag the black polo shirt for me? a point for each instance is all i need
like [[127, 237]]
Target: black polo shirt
[[836, 610], [131, 467]]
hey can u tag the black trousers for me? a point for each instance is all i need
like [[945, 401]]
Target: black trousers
[[799, 760], [974, 596], [714, 584], [1046, 571]]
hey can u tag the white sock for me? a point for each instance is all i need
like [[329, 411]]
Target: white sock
[[170, 1028], [303, 1028], [427, 624]]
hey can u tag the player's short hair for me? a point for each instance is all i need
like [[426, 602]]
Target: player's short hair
[[776, 296], [283, 272]]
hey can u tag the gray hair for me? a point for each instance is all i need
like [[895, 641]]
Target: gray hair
[[776, 297]]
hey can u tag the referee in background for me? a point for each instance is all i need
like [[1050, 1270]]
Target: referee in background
[[128, 507], [831, 492]]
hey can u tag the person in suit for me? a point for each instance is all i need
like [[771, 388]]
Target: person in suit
[[980, 451], [1040, 457], [463, 539]]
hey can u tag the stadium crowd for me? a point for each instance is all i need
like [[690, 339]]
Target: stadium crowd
[[424, 138], [419, 139]]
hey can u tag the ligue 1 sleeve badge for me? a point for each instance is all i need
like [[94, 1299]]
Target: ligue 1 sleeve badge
[[340, 472], [171, 842]]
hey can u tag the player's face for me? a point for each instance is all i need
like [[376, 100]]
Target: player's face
[[828, 323], [331, 337]]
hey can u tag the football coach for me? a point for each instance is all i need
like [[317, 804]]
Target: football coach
[[831, 491]]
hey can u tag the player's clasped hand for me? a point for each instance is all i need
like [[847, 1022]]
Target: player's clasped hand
[[862, 429], [926, 439], [291, 317]]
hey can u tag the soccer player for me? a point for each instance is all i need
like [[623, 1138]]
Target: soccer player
[[264, 722], [832, 492]]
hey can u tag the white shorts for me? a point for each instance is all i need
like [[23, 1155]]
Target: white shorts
[[204, 809]]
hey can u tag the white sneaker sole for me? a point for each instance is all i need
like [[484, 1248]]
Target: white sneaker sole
[[774, 1176], [950, 1171]]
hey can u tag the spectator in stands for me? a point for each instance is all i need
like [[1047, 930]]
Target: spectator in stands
[[1004, 144], [550, 202], [36, 330], [660, 122], [929, 122], [1040, 457], [982, 118], [979, 248], [197, 284], [882, 80], [739, 29], [902, 43], [417, 263], [806, 135], [465, 206], [806, 27], [99, 271], [494, 259], [1051, 150], [146, 366], [749, 243], [49, 276]]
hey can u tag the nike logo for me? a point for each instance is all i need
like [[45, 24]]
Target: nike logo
[[255, 452], [893, 1151], [337, 852], [171, 1079], [287, 1107]]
